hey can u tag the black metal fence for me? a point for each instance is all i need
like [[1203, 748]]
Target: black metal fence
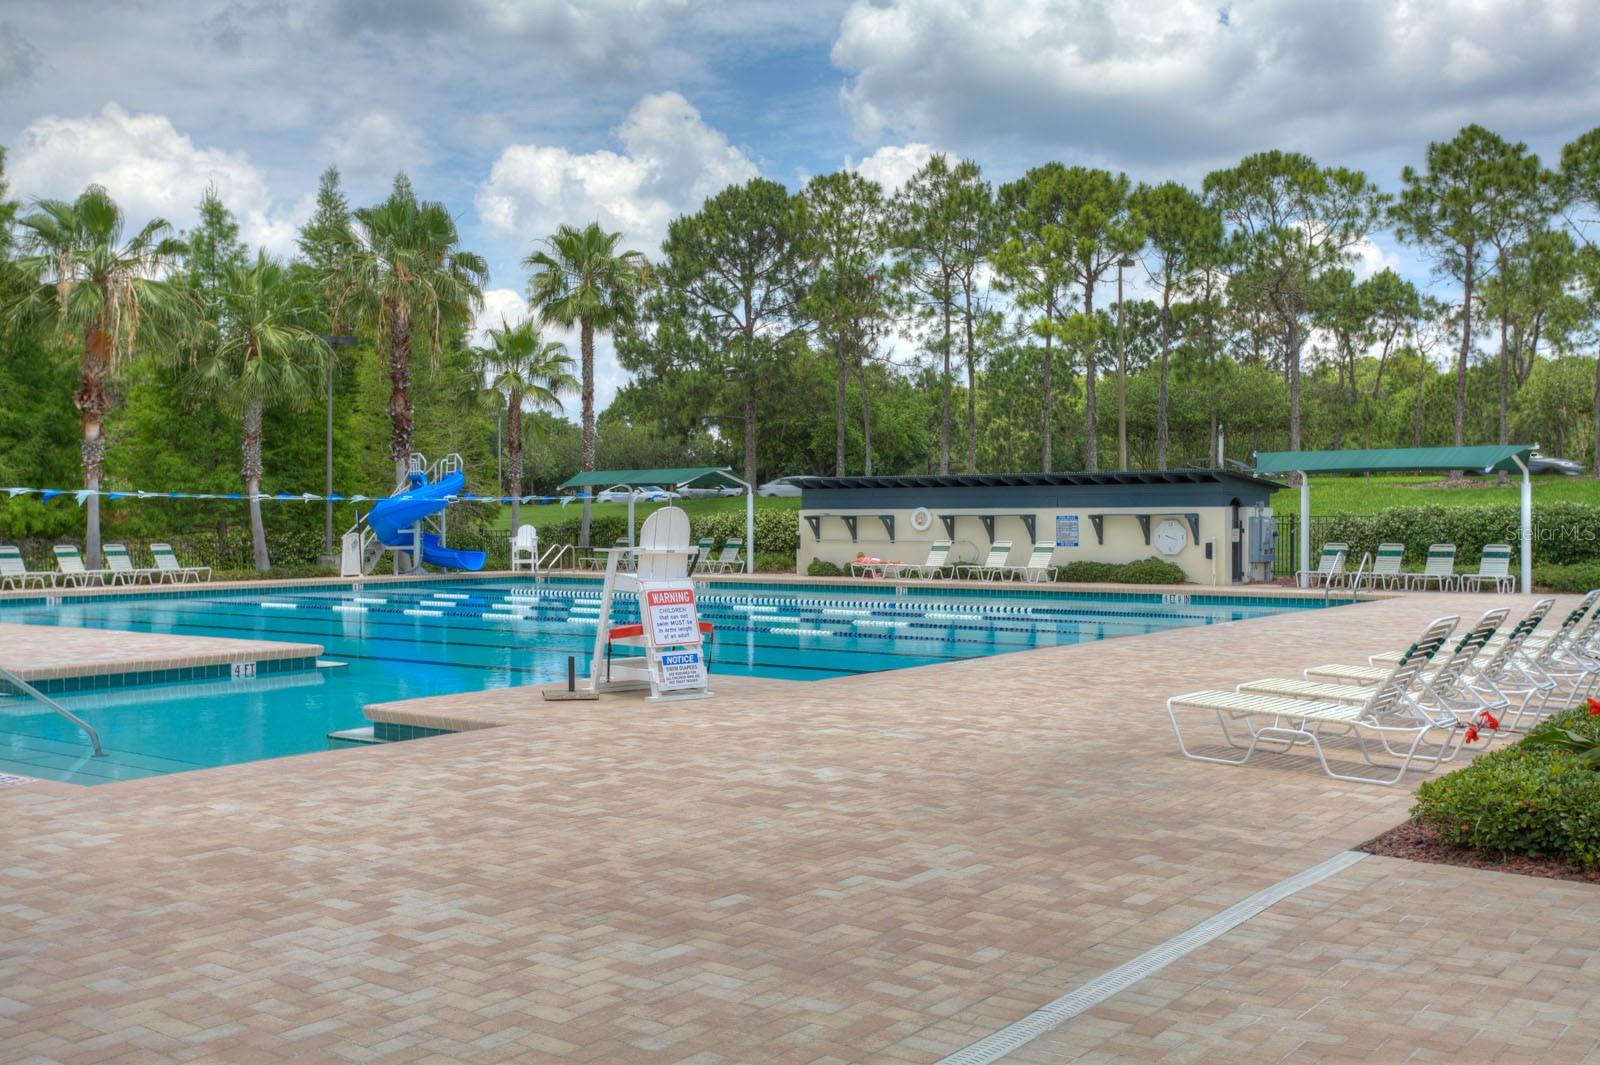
[[1287, 562]]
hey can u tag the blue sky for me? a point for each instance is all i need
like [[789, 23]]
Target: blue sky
[[521, 115]]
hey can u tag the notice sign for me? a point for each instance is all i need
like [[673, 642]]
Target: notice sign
[[670, 616], [682, 669], [1066, 530]]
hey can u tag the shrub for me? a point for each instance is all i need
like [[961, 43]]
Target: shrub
[[1564, 533], [1529, 800], [1577, 577], [823, 568], [1144, 571]]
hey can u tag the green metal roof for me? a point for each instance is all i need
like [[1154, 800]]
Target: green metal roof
[[672, 478], [1395, 459]]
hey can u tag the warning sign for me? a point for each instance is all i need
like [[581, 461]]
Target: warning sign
[[670, 616], [682, 669]]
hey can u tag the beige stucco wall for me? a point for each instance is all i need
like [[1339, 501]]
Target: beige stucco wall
[[1124, 540]]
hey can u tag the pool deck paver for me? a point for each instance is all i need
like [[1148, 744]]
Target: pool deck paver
[[48, 652], [877, 868]]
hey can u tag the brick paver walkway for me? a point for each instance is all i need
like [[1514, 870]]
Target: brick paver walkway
[[880, 868]]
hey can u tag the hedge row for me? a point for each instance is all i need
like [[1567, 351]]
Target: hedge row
[[1526, 800], [1563, 533]]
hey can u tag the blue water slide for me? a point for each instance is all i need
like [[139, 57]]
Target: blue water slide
[[392, 520]]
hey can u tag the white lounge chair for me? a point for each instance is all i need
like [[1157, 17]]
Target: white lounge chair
[[702, 552], [1440, 570], [728, 561], [1330, 567], [1038, 568], [1495, 567], [1387, 712], [69, 560], [931, 566], [1386, 567], [993, 564], [170, 569], [525, 548], [14, 572], [120, 564]]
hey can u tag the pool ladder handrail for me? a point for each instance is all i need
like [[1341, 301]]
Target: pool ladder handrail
[[553, 555], [28, 689], [1355, 581]]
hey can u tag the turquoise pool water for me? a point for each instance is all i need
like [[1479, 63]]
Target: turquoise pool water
[[472, 636]]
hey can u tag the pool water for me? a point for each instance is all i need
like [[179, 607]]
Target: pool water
[[413, 640]]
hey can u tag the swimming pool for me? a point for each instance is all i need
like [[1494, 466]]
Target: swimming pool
[[406, 641]]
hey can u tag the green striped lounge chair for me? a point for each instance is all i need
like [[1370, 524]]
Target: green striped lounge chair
[[931, 566], [1494, 567], [702, 553], [120, 565], [168, 568], [1330, 567], [1038, 568], [14, 572], [1385, 571], [69, 560], [1388, 719], [992, 566], [1439, 571], [728, 561]]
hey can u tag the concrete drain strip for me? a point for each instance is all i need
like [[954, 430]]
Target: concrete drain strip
[[1053, 1014]]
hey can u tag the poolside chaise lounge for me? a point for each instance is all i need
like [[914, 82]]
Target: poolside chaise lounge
[[729, 561], [1330, 567], [120, 565], [525, 548], [1038, 568], [993, 564], [170, 569], [69, 560], [1385, 571], [1439, 571], [1494, 567], [14, 572], [1388, 712], [932, 565]]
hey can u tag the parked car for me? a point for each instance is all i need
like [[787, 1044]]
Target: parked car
[[783, 486], [1538, 463], [712, 492], [643, 495]]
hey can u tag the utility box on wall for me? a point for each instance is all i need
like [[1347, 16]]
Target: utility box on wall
[[1261, 530]]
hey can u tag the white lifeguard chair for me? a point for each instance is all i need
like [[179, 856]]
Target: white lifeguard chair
[[669, 627], [525, 549]]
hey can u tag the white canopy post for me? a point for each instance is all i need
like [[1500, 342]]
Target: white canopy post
[[1527, 527], [1305, 530]]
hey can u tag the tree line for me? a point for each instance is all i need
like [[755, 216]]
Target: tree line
[[947, 324]]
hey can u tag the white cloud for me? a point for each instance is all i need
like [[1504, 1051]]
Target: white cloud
[[1368, 257], [671, 160], [892, 165], [1191, 82], [499, 305], [151, 170], [374, 146]]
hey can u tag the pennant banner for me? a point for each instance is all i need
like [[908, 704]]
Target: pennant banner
[[82, 494]]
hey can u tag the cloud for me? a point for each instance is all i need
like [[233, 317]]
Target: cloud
[[892, 165], [671, 160], [1150, 82], [373, 147], [499, 305], [20, 61], [151, 170]]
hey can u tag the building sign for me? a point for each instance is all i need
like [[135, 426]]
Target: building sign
[[682, 669], [1067, 530], [670, 617]]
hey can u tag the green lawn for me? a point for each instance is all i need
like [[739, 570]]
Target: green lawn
[[543, 515], [1368, 495]]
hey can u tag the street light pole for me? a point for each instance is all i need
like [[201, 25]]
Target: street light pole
[[1122, 376], [328, 558]]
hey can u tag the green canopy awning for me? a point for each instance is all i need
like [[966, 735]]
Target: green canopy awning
[[674, 477], [1483, 457]]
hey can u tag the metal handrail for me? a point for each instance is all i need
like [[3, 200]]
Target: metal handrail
[[1355, 581], [28, 689], [556, 551]]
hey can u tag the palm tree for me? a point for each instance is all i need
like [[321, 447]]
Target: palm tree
[[265, 352], [529, 371], [581, 279], [407, 265], [103, 293]]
